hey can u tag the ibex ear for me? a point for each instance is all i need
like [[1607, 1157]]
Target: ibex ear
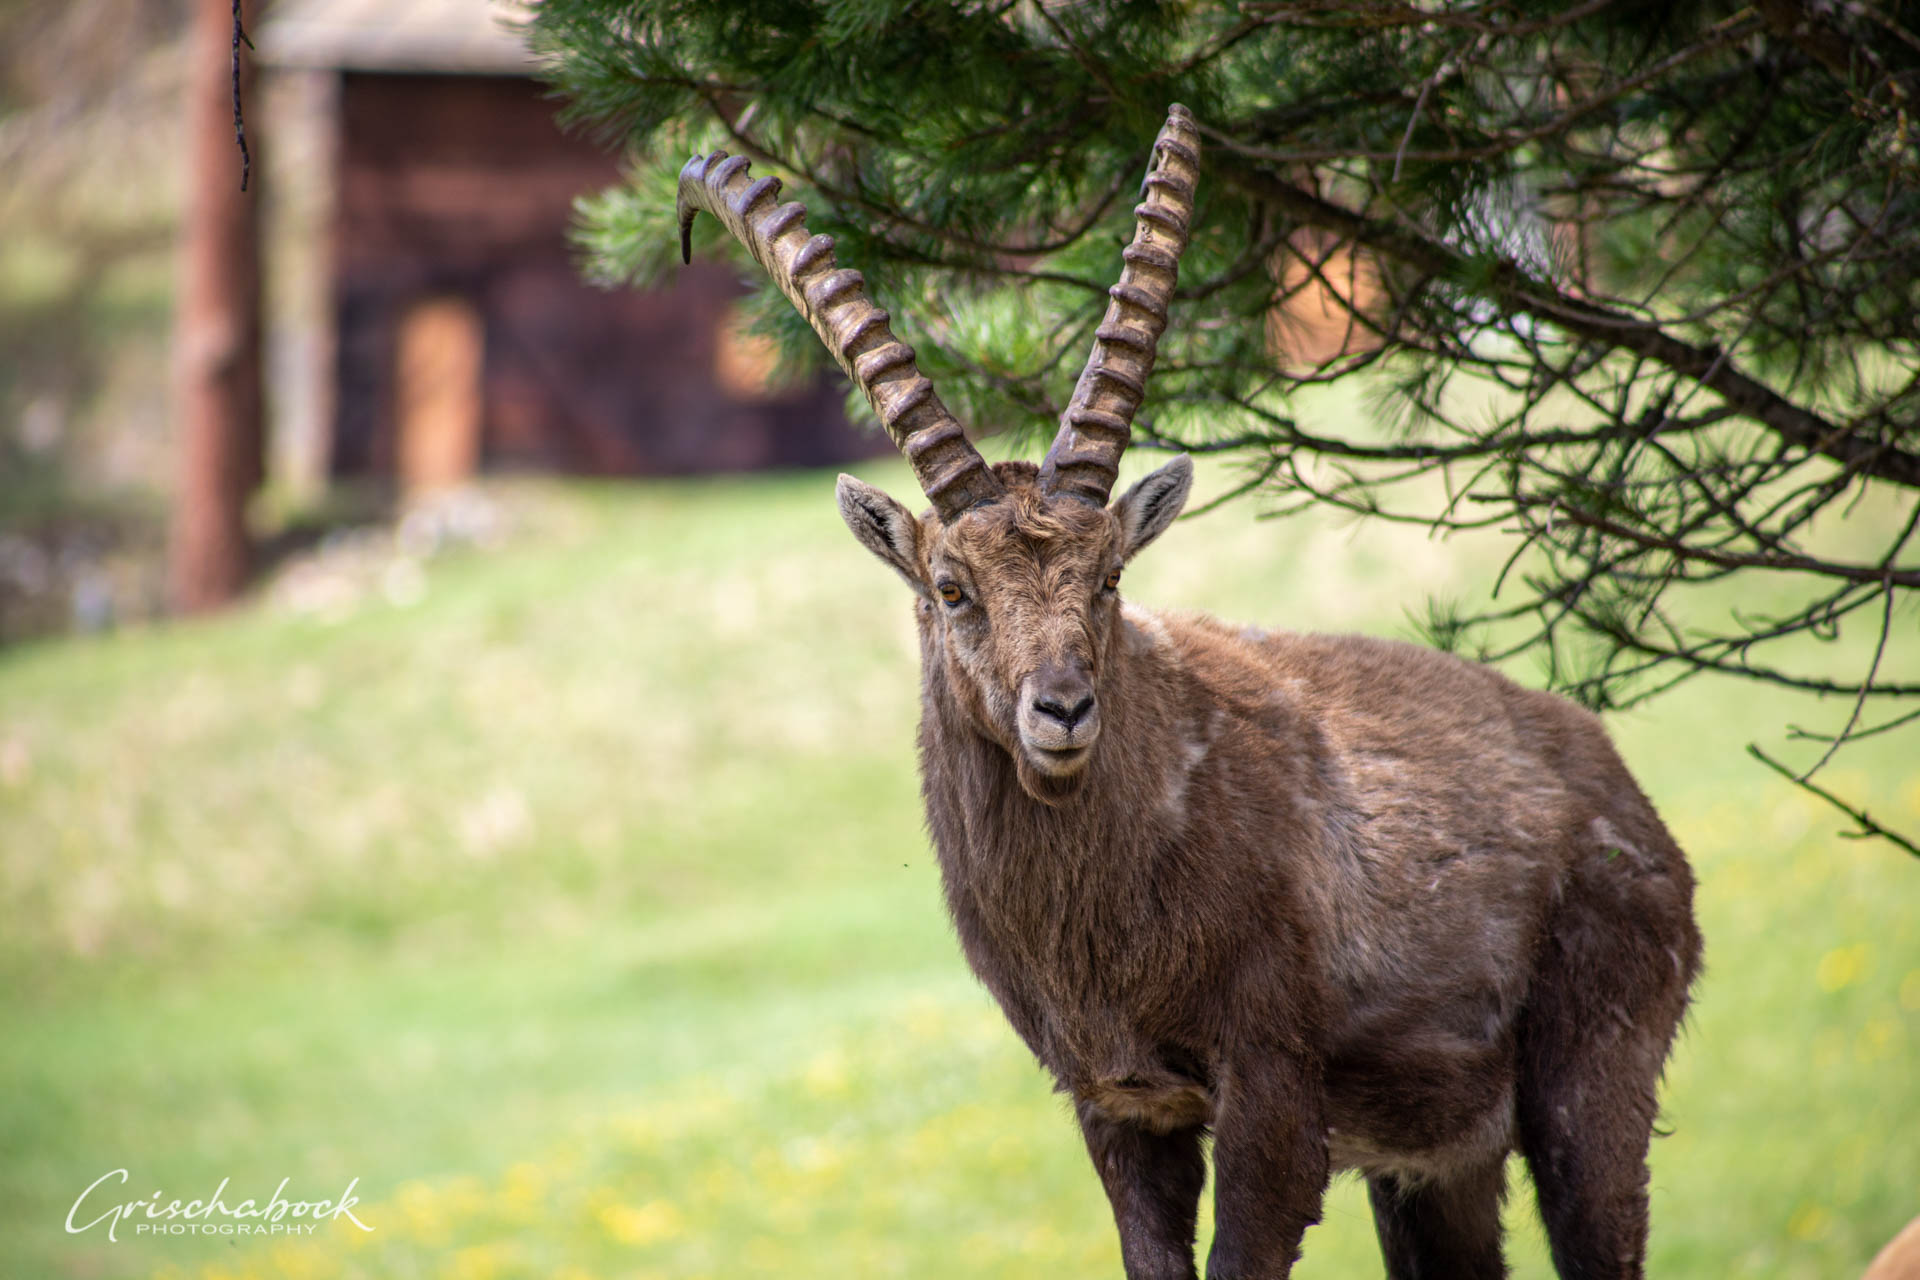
[[885, 528], [1150, 506]]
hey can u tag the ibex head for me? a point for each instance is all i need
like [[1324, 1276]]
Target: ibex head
[[1017, 567]]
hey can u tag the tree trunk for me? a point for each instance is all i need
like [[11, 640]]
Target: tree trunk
[[217, 407]]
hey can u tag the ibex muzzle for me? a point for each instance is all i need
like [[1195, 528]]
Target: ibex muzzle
[[1336, 902], [1060, 716]]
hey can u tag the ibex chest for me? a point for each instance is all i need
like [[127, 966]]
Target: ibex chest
[[1098, 966], [1116, 1030]]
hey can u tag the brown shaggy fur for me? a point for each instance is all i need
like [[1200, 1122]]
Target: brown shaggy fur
[[1340, 902]]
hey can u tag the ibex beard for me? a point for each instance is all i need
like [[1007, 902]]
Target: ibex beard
[[1337, 902]]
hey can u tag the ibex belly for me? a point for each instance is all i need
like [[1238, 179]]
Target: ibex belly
[[1160, 1101], [1421, 1100], [1477, 1137]]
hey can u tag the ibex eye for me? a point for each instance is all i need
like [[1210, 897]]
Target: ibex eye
[[951, 593], [1113, 580]]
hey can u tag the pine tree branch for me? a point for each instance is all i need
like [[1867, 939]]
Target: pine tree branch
[[1728, 32], [1686, 550], [1513, 292], [854, 198], [1805, 29], [1379, 17]]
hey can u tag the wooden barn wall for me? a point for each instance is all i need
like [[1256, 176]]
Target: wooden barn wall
[[463, 186]]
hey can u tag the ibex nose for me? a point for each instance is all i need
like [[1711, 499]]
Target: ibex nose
[[1063, 694]]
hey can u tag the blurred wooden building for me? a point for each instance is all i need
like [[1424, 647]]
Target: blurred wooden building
[[462, 338]]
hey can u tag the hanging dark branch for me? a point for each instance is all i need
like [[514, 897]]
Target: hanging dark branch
[[239, 124]]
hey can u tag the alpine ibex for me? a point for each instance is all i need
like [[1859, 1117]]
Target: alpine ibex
[[1340, 902]]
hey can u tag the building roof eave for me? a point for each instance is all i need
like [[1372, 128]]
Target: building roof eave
[[447, 37]]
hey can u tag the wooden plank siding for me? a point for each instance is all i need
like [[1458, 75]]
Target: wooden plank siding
[[460, 188]]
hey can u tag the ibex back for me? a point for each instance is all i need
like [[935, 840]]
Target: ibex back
[[1340, 902]]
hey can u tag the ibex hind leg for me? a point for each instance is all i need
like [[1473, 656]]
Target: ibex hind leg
[[1584, 1128], [1431, 1229], [1606, 1001]]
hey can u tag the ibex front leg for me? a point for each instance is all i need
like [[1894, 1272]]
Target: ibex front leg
[[1269, 1165], [1153, 1181]]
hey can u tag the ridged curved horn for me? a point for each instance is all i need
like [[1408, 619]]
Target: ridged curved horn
[[834, 301], [1085, 457]]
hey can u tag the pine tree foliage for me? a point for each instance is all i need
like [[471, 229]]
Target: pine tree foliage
[[1634, 281]]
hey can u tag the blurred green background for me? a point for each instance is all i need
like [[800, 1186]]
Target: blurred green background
[[573, 897]]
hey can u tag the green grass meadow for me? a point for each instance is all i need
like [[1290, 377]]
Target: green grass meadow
[[576, 902]]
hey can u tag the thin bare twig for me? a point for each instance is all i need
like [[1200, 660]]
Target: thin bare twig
[[1866, 686], [1868, 827]]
